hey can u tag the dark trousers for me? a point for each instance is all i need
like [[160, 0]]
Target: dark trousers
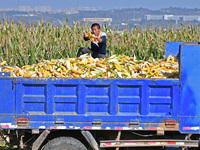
[[84, 50]]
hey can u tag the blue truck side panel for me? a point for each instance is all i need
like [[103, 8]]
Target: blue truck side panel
[[172, 48], [7, 100], [81, 102], [190, 88]]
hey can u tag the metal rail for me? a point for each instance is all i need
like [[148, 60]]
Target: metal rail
[[148, 143]]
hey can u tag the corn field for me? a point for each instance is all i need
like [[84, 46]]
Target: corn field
[[22, 44]]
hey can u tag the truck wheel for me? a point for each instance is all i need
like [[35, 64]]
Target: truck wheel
[[64, 143]]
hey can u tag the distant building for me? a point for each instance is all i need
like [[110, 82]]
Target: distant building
[[153, 17], [190, 18], [43, 8], [167, 17], [24, 8], [7, 9], [75, 10], [100, 20], [91, 8], [173, 17], [71, 10]]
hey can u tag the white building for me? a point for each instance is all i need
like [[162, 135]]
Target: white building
[[71, 10], [173, 17], [43, 8], [167, 17], [24, 8], [190, 18], [97, 20], [153, 17]]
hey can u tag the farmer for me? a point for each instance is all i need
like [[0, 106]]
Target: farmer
[[98, 43]]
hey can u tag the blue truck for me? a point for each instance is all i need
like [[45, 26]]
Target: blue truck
[[77, 114]]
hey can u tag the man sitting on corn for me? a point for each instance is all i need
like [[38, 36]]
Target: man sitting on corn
[[98, 43]]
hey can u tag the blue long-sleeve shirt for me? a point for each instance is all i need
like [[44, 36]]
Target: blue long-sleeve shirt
[[99, 47]]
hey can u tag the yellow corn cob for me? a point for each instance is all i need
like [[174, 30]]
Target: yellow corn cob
[[89, 35], [49, 67], [145, 69], [47, 73], [154, 67], [5, 70], [10, 68], [118, 66], [168, 59], [26, 66], [51, 63], [77, 72], [62, 67], [151, 73], [173, 60], [53, 60], [27, 75], [75, 75], [3, 63], [123, 60], [111, 75], [19, 72], [62, 76]]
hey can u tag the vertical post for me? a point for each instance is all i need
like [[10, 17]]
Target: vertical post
[[49, 102], [144, 108], [81, 96], [113, 104]]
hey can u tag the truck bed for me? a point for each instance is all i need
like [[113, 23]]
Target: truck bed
[[53, 103]]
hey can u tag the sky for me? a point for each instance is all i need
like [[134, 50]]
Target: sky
[[105, 4]]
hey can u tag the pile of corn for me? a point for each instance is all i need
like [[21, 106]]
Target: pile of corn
[[116, 66]]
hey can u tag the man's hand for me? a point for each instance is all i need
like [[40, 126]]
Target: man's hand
[[99, 39], [86, 34], [92, 37]]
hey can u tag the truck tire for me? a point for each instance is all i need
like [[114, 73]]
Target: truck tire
[[64, 143]]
